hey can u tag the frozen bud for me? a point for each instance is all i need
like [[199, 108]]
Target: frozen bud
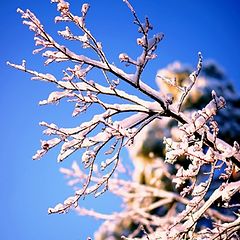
[[116, 82], [63, 7], [51, 210], [19, 10], [169, 98], [152, 42], [140, 41], [158, 37], [24, 63], [152, 56], [85, 8], [78, 20], [87, 156], [43, 124], [236, 146], [200, 59], [46, 145], [214, 95], [123, 57]]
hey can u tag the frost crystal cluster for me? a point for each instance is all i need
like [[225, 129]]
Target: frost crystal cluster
[[185, 182]]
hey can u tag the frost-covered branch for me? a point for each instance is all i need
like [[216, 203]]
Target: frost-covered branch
[[172, 190]]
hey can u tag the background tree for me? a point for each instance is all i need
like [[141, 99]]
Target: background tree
[[148, 152]]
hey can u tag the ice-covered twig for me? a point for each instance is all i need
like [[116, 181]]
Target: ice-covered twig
[[193, 78], [149, 45]]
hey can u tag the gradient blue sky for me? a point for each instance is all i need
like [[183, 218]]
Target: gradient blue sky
[[29, 187]]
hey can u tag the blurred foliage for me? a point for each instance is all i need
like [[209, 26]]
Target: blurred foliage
[[148, 150]]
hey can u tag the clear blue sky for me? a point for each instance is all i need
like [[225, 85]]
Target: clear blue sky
[[29, 187]]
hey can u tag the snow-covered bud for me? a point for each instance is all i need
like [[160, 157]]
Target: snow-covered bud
[[78, 20], [123, 57], [169, 98], [63, 7], [85, 8], [236, 146], [140, 41]]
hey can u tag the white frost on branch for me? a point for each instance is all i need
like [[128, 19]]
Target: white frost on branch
[[171, 203]]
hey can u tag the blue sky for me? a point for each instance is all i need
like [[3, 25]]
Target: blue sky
[[29, 187]]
